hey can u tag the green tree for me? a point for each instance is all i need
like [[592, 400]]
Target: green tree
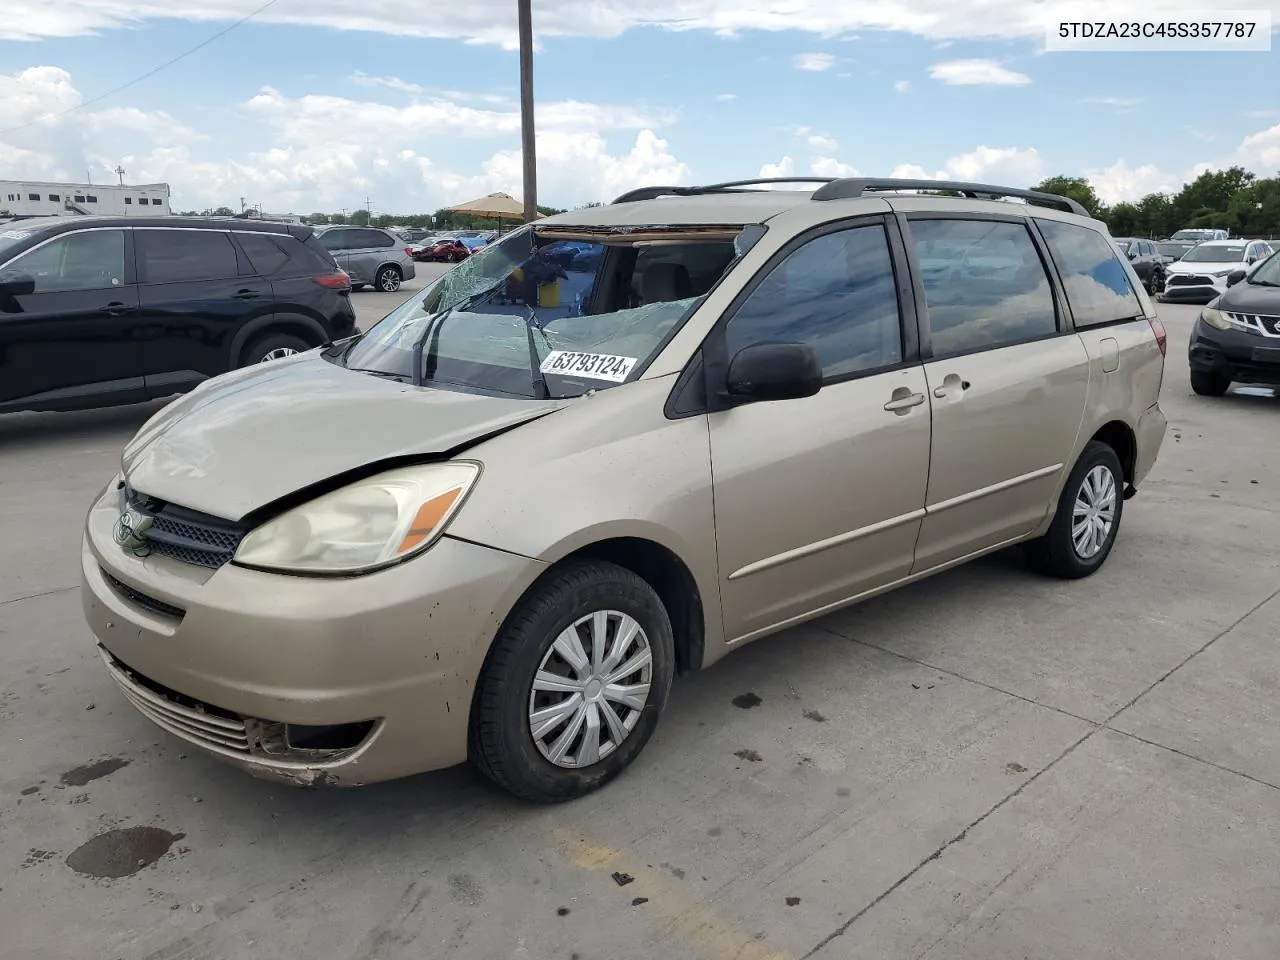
[[222, 212], [1126, 220], [318, 218], [1210, 193], [359, 217], [1077, 188]]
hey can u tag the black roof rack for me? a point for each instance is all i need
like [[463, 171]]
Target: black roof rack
[[853, 187], [731, 186]]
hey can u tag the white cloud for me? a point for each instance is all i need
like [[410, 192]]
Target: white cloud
[[977, 72], [815, 62], [390, 83], [1120, 103], [823, 144], [1009, 166], [1122, 181], [786, 167], [831, 167], [325, 152], [902, 86], [725, 97], [494, 21], [1261, 150]]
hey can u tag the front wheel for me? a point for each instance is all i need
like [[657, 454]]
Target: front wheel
[[388, 279], [1208, 384], [1087, 520], [574, 685], [1155, 283]]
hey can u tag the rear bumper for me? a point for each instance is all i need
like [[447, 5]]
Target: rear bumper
[[1234, 355], [1152, 426]]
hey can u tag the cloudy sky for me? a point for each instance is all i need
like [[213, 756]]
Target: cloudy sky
[[318, 104]]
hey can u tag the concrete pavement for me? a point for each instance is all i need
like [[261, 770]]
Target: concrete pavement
[[985, 765]]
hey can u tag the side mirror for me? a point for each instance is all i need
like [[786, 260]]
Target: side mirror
[[17, 285], [1133, 254], [1234, 277], [774, 371]]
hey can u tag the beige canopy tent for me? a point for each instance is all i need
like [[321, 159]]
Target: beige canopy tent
[[501, 206]]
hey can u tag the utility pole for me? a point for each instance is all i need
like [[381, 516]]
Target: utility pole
[[119, 172], [527, 146]]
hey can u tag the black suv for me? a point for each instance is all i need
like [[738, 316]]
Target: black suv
[[1148, 262], [97, 311], [1237, 336]]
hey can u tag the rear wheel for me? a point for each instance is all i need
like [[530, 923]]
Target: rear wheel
[[388, 278], [1208, 384], [273, 346], [574, 685], [1087, 520]]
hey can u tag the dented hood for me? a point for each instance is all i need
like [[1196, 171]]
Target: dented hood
[[246, 439]]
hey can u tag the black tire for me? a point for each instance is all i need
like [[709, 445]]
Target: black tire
[[1155, 283], [357, 286], [1208, 384], [1055, 553], [262, 349], [501, 744], [388, 278]]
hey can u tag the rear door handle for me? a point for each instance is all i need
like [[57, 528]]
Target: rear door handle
[[116, 309], [949, 384], [905, 403]]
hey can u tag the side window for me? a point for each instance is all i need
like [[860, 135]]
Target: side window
[[93, 260], [1146, 250], [1096, 283], [264, 253], [836, 294], [985, 285], [336, 239], [174, 256], [371, 240]]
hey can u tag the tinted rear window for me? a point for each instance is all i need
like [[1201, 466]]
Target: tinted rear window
[[264, 252], [173, 256], [316, 247], [1097, 283]]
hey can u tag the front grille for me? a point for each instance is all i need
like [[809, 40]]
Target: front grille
[[1268, 326], [143, 600], [186, 535], [1189, 280], [219, 730]]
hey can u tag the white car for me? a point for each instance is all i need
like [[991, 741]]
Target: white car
[[1202, 272]]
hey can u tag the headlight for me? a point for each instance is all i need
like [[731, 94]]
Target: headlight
[[1214, 318], [365, 526]]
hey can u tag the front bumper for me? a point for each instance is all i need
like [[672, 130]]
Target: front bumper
[[1234, 354], [1192, 293], [304, 680]]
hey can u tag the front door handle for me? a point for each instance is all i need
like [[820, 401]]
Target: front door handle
[[246, 295], [904, 403], [116, 309]]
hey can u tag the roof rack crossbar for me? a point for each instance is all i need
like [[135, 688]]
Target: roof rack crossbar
[[730, 186], [854, 187]]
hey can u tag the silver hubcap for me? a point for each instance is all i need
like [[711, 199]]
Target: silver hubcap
[[279, 353], [390, 282], [590, 689], [1095, 512]]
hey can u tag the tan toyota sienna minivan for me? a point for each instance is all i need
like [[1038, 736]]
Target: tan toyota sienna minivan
[[609, 449]]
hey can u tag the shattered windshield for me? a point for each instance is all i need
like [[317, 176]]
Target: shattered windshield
[[550, 312]]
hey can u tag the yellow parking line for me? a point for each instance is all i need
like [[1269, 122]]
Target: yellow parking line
[[697, 925]]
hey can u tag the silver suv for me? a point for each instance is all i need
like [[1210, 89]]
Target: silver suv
[[612, 447], [371, 256]]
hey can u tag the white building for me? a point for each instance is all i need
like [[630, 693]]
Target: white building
[[19, 198]]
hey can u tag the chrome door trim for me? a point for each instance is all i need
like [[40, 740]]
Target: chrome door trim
[[994, 488]]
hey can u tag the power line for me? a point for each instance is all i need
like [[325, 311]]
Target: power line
[[146, 76]]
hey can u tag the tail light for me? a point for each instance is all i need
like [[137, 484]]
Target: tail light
[[334, 281], [409, 251], [1161, 337]]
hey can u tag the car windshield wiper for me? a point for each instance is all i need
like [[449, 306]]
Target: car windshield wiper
[[433, 326], [385, 374], [1262, 283], [540, 389]]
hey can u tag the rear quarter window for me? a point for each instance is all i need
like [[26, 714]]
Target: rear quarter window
[[1096, 282]]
